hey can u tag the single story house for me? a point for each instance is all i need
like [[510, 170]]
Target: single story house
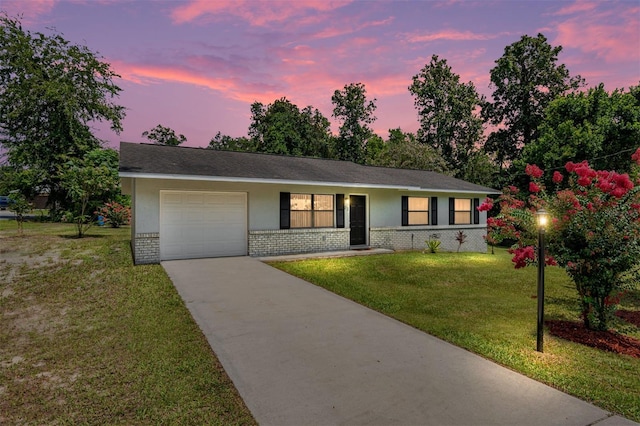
[[195, 202]]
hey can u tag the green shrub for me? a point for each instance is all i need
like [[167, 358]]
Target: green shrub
[[115, 214], [433, 245]]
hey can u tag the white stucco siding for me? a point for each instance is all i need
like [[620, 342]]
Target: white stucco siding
[[384, 208], [147, 198], [263, 199], [383, 205]]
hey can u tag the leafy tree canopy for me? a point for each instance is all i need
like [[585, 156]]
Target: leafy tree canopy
[[90, 182], [50, 92], [161, 135], [282, 128], [525, 80], [447, 110], [355, 113], [596, 126], [228, 143], [403, 151], [478, 169]]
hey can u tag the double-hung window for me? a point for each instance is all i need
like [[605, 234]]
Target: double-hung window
[[311, 210], [419, 211], [463, 211]]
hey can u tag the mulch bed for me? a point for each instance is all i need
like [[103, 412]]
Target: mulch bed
[[604, 340], [632, 317]]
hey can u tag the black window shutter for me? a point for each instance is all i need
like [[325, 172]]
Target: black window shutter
[[452, 212], [339, 210], [405, 210], [434, 210], [285, 210], [476, 212]]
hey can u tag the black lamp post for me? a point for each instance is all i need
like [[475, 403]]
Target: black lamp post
[[541, 218]]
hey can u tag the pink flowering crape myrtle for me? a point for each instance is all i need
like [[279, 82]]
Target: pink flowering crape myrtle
[[594, 233]]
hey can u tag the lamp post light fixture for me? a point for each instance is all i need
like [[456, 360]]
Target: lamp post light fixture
[[542, 217]]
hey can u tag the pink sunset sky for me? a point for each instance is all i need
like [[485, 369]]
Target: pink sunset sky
[[197, 65]]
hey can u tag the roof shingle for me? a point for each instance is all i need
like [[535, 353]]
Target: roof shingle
[[147, 159]]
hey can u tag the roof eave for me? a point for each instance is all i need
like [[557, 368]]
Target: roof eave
[[135, 175]]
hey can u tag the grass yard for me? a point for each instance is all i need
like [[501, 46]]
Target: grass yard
[[481, 303], [87, 338]]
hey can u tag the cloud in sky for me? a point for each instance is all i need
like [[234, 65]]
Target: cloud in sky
[[232, 88], [346, 28], [611, 33], [30, 14], [449, 35], [220, 56], [255, 12]]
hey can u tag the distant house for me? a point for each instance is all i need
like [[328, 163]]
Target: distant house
[[194, 203]]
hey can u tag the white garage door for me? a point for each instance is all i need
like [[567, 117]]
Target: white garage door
[[202, 224]]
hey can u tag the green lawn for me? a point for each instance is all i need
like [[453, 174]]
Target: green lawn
[[87, 338], [481, 303]]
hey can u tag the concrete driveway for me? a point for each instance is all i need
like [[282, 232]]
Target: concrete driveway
[[300, 355]]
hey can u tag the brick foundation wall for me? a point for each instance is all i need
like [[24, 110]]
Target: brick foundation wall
[[292, 241], [415, 237], [146, 248]]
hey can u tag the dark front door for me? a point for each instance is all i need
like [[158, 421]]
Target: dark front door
[[358, 219]]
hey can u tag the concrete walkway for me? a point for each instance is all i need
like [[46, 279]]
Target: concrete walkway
[[300, 355]]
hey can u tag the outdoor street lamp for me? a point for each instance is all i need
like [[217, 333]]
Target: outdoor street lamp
[[542, 218]]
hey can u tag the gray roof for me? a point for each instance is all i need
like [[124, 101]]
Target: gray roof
[[160, 161]]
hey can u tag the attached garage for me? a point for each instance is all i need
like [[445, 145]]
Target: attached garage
[[196, 224]]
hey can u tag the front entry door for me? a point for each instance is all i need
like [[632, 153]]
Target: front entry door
[[358, 219]]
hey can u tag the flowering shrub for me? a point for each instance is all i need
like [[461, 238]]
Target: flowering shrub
[[594, 233], [115, 214]]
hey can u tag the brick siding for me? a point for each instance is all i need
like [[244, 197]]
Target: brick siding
[[292, 241], [415, 237], [146, 248]]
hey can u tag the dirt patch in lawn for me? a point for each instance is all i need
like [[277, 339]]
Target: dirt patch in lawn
[[604, 340]]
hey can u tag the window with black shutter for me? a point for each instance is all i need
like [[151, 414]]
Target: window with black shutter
[[306, 210], [415, 211], [460, 211]]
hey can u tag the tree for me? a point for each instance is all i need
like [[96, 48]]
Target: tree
[[50, 93], [19, 206], [354, 112], [90, 182], [525, 80], [478, 169], [447, 110], [228, 143], [594, 232], [21, 180], [281, 128], [315, 128], [403, 151], [375, 149], [596, 126], [161, 135]]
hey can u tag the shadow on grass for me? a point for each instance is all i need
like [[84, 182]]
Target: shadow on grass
[[84, 237], [568, 304], [632, 297]]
